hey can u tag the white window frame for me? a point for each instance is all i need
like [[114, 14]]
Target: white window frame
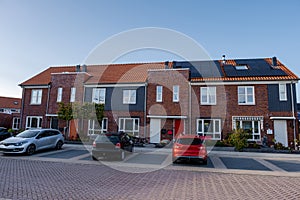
[[59, 94], [29, 121], [16, 123], [175, 93], [135, 126], [73, 94], [129, 96], [98, 95], [159, 92], [241, 124], [91, 126], [208, 96], [282, 92], [36, 97], [215, 133], [246, 94]]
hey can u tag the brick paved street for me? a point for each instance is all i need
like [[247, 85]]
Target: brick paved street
[[32, 179]]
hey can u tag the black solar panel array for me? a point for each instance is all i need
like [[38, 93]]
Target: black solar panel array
[[202, 69], [207, 69], [257, 67]]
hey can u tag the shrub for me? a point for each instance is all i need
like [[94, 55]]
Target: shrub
[[238, 138]]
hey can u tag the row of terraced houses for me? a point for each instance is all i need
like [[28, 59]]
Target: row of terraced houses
[[163, 99]]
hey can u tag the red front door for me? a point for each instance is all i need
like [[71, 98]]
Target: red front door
[[179, 127]]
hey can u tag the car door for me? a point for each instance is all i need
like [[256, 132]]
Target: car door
[[41, 141]]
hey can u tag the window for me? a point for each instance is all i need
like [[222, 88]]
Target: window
[[176, 93], [59, 94], [34, 122], [129, 125], [99, 95], [241, 67], [250, 125], [246, 95], [16, 123], [208, 95], [159, 90], [209, 127], [129, 96], [73, 94], [96, 128], [282, 92], [36, 96]]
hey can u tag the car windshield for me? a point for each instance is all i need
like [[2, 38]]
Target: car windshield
[[190, 141], [2, 130], [107, 138], [28, 134]]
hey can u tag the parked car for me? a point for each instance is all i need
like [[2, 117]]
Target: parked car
[[189, 147], [4, 133], [33, 140], [112, 146]]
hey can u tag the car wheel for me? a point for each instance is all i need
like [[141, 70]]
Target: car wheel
[[94, 158], [174, 160], [59, 145], [204, 162], [30, 149]]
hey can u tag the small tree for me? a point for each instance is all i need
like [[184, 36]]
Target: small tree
[[238, 138], [65, 113]]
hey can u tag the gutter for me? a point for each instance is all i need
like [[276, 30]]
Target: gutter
[[293, 113], [47, 106]]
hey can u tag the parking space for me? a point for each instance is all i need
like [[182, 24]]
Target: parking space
[[243, 163], [287, 165], [148, 156]]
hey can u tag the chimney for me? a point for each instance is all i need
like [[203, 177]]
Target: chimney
[[274, 61], [77, 68], [167, 65], [83, 68], [223, 60]]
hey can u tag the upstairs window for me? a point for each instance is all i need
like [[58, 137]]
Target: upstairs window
[[246, 95], [36, 97], [129, 96], [282, 92], [99, 95], [176, 93], [159, 90], [73, 94], [59, 94], [208, 96]]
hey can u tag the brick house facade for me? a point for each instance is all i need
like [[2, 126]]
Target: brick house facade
[[10, 112], [161, 100]]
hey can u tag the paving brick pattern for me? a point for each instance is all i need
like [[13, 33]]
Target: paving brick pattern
[[27, 179]]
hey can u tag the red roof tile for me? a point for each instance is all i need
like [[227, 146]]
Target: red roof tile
[[44, 77], [9, 102], [121, 73]]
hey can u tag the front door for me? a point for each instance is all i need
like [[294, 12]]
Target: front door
[[155, 127], [179, 127], [280, 132]]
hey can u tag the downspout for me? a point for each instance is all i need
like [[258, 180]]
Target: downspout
[[145, 111], [293, 112], [22, 109], [47, 106], [190, 108]]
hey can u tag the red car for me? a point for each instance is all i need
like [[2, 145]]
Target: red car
[[189, 147]]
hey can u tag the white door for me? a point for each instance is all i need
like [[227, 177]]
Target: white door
[[280, 132], [155, 130]]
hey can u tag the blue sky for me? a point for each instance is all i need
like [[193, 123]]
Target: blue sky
[[37, 34]]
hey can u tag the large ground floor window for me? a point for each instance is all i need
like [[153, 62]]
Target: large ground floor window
[[95, 128], [34, 122], [209, 127], [250, 124], [129, 125]]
